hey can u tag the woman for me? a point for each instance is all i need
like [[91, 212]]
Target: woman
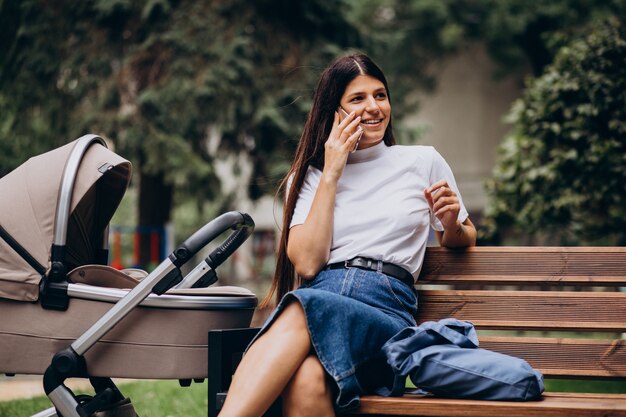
[[356, 220]]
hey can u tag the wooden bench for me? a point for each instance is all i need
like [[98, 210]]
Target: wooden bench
[[559, 308]]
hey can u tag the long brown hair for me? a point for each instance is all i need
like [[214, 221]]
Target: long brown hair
[[310, 151]]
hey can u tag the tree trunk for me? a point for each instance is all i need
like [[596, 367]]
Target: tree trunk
[[155, 205]]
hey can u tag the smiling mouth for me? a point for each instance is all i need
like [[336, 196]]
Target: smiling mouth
[[372, 122]]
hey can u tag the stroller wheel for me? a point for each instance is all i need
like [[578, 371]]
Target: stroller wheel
[[54, 412], [123, 408], [84, 399]]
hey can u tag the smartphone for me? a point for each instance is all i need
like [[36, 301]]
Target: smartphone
[[342, 115]]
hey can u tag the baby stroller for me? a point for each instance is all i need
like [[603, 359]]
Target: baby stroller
[[66, 314]]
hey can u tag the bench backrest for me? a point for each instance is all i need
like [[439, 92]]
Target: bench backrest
[[559, 308]]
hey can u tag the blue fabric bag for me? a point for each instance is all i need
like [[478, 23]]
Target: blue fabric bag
[[443, 358]]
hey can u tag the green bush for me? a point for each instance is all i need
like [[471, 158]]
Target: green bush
[[561, 173]]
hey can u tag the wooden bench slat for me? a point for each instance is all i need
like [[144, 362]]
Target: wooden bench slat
[[527, 310], [524, 280], [556, 357], [554, 264], [552, 405]]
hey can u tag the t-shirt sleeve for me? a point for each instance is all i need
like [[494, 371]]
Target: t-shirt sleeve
[[440, 170], [305, 197]]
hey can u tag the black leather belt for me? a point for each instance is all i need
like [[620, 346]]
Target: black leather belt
[[392, 270]]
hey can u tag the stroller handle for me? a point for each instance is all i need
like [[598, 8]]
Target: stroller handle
[[241, 223]]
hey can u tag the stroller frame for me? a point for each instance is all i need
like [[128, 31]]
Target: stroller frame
[[55, 289]]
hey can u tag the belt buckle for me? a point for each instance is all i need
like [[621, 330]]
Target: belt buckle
[[345, 264]]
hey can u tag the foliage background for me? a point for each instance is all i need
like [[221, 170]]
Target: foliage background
[[179, 85], [561, 174]]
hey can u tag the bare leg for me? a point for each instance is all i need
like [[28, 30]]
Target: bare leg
[[308, 394], [268, 365]]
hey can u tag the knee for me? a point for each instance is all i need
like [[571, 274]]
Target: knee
[[291, 319], [309, 379], [308, 392]]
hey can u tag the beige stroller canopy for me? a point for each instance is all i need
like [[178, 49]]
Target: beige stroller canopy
[[30, 225]]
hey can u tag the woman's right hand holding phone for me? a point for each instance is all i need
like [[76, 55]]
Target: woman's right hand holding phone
[[342, 140], [309, 243]]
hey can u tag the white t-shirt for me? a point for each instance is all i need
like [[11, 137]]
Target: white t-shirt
[[380, 209]]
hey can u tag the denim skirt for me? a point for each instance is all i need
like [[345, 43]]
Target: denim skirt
[[350, 314]]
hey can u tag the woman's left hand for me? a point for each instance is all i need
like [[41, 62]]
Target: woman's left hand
[[444, 203]]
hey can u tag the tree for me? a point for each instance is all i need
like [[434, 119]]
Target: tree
[[409, 37], [179, 84], [175, 85], [561, 172], [29, 98]]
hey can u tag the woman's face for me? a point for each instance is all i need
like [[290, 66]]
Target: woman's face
[[367, 97]]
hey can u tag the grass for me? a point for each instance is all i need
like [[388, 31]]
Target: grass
[[150, 398], [571, 385]]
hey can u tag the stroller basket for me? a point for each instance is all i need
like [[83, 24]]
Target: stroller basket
[[67, 314]]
